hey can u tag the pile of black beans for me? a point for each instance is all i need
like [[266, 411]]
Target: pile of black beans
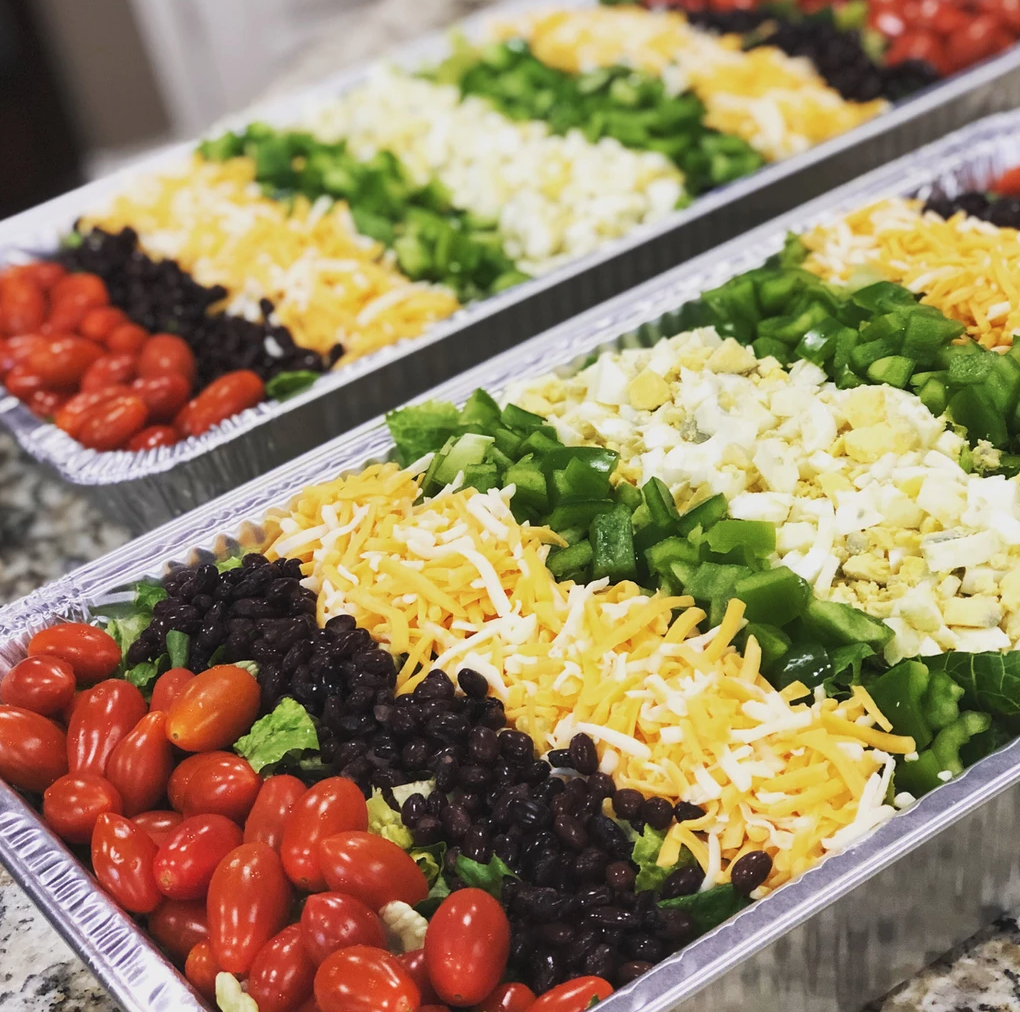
[[161, 297], [1001, 211]]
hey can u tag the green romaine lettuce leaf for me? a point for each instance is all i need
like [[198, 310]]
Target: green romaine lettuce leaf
[[177, 646], [287, 384], [127, 629], [147, 595], [484, 876], [990, 680], [421, 428], [646, 853], [288, 729], [385, 822], [711, 907]]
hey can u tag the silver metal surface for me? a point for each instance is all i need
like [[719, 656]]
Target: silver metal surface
[[841, 935], [144, 489]]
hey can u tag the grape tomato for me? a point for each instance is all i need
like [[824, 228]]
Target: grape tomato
[[214, 709], [92, 652], [179, 926], [73, 803], [188, 857], [33, 750], [373, 869], [102, 717], [122, 855], [282, 974], [363, 978], [271, 810], [41, 684], [141, 763], [331, 921]]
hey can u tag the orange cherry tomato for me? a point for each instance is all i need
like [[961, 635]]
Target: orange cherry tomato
[[467, 945], [168, 687], [63, 360], [165, 395], [108, 371], [152, 437], [111, 424], [82, 288], [214, 709], [22, 307], [271, 810], [122, 855], [46, 403], [224, 785], [72, 804], [41, 684], [141, 763], [201, 968], [98, 323], [188, 857], [127, 339], [72, 414], [574, 995], [158, 824], [331, 921], [331, 806], [373, 869], [92, 652], [282, 975], [220, 400], [23, 383], [507, 998], [362, 978], [249, 902], [33, 750], [414, 963], [103, 716], [164, 353], [178, 926]]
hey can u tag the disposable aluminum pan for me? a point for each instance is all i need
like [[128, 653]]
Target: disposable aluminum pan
[[143, 490], [841, 935]]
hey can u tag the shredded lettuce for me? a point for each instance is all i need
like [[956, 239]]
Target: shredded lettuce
[[233, 562], [421, 428], [646, 855], [177, 646], [288, 730]]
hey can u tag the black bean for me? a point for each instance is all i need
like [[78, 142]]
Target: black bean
[[631, 971], [472, 683], [413, 810], [477, 845], [483, 745], [446, 773], [516, 745], [750, 871], [600, 785], [563, 804], [610, 837], [682, 882], [638, 945], [428, 831], [620, 875], [493, 715], [627, 802], [684, 811], [474, 778], [506, 847], [583, 756], [531, 814], [560, 758], [594, 896], [557, 935], [570, 831], [601, 961], [435, 685], [658, 813], [545, 970], [456, 821], [590, 865], [546, 869], [676, 927], [613, 917]]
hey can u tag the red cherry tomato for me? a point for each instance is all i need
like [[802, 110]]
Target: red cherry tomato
[[331, 806], [433, 1008], [282, 975], [414, 963], [982, 37], [75, 409], [63, 361], [164, 353], [64, 318], [466, 946], [41, 684], [158, 824], [224, 784], [45, 403], [249, 902], [72, 804], [214, 709], [180, 779], [110, 425], [86, 290], [165, 395], [574, 995], [371, 868], [507, 998], [98, 323], [168, 687], [272, 807], [141, 763], [122, 855], [1008, 184], [44, 273], [92, 652], [189, 856], [152, 437], [221, 399], [331, 921], [364, 979], [127, 339], [109, 371], [22, 307], [33, 750], [103, 716], [179, 926], [918, 45], [23, 383], [15, 350], [201, 968]]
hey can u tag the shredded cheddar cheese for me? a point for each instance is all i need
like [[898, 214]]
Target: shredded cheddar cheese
[[778, 104], [456, 582], [328, 283], [967, 268]]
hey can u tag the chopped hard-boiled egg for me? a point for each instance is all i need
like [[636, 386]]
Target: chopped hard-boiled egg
[[865, 487]]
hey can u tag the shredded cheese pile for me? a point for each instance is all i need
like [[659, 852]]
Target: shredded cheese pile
[[328, 283], [967, 268], [778, 104], [455, 582]]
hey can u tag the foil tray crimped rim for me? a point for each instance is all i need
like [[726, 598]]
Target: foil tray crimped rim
[[110, 942], [40, 227]]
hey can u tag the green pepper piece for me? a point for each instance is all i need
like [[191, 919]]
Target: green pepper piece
[[940, 704], [658, 499], [819, 344], [893, 370], [773, 641], [803, 662], [919, 776], [628, 494], [948, 742], [467, 450], [900, 695], [577, 482], [570, 560], [480, 409], [508, 442], [594, 457], [704, 515], [531, 487], [514, 417], [778, 290], [713, 581], [578, 514], [758, 537], [968, 368], [612, 542], [662, 555], [765, 347], [837, 624], [864, 354], [774, 596], [481, 476], [219, 149], [968, 408], [883, 296], [933, 396], [927, 333], [540, 444]]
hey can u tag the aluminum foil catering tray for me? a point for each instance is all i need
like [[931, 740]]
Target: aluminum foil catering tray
[[841, 935], [143, 490]]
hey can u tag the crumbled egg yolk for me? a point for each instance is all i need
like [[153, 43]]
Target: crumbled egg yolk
[[555, 198], [778, 104], [455, 582], [328, 284], [967, 268], [870, 503]]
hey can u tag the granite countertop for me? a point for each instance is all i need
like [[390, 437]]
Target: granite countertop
[[46, 530]]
